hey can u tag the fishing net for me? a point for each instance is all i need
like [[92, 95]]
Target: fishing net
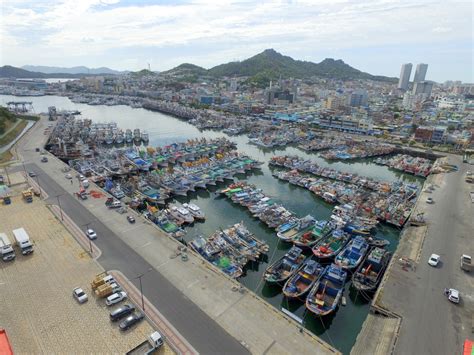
[[224, 262]]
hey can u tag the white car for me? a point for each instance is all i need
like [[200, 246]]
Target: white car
[[115, 298], [434, 260], [453, 295], [430, 200], [91, 234], [68, 176], [79, 295]]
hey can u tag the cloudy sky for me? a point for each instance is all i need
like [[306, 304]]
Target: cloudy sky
[[376, 36]]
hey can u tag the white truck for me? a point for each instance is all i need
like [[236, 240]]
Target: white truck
[[23, 241], [6, 249], [149, 346]]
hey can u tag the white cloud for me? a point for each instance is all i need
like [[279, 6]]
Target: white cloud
[[73, 29]]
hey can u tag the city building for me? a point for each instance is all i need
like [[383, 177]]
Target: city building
[[335, 102], [405, 76], [358, 98], [439, 134], [423, 87], [423, 134], [420, 72]]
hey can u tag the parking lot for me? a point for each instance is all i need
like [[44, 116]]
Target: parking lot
[[38, 310]]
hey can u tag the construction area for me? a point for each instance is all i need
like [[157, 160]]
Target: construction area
[[39, 312]]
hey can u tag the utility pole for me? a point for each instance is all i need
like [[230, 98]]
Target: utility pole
[[90, 242], [139, 277]]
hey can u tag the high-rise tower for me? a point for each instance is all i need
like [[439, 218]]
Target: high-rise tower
[[420, 72], [405, 76]]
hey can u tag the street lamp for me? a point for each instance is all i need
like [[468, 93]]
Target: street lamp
[[39, 186], [90, 242], [59, 204], [139, 277]]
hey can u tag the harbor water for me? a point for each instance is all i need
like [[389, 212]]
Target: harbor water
[[339, 329]]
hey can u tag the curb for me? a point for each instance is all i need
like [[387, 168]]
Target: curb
[[172, 336]]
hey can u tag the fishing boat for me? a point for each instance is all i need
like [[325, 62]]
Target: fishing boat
[[197, 213], [303, 280], [213, 252], [284, 267], [144, 137], [369, 274], [329, 246], [128, 136], [352, 254], [301, 225], [137, 136], [180, 212], [377, 242], [250, 239], [306, 238], [326, 293]]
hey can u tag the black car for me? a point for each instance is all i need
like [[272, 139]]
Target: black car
[[131, 219], [131, 320], [44, 160], [121, 312], [32, 174]]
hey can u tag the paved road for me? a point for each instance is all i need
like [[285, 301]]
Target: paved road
[[431, 324], [203, 333]]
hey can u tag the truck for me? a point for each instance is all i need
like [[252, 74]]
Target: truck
[[6, 249], [27, 196], [22, 240], [466, 262], [100, 279], [107, 289], [5, 346], [149, 346]]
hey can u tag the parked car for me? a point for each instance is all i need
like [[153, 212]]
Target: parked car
[[32, 174], [79, 295], [115, 298], [131, 219], [91, 234], [121, 312], [430, 200], [434, 260], [131, 320], [452, 294], [68, 176], [44, 159]]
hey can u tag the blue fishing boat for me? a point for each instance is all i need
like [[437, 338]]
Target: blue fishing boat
[[303, 280], [326, 293], [284, 267], [352, 254]]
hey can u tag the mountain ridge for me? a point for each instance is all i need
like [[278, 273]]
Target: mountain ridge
[[8, 71], [69, 70], [270, 64]]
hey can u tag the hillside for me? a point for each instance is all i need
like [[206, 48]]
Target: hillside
[[270, 65], [7, 71], [186, 70], [72, 70]]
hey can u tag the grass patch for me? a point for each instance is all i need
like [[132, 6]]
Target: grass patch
[[10, 136], [5, 157]]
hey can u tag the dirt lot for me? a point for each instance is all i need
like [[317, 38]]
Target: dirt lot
[[37, 307]]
